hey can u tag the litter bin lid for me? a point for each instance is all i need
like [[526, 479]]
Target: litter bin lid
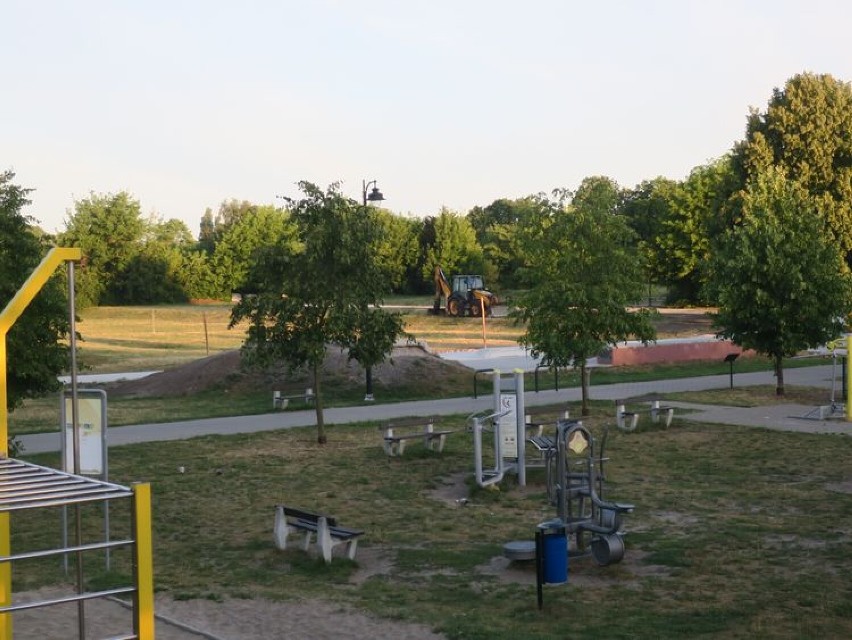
[[519, 550], [552, 525]]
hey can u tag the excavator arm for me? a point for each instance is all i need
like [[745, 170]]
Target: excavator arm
[[442, 289]]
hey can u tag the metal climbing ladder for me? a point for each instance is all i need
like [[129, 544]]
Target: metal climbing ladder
[[28, 486]]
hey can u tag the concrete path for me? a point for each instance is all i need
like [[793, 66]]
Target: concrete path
[[786, 417]]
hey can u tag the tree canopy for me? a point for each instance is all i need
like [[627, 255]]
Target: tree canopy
[[779, 278], [806, 132], [319, 291], [35, 349], [583, 271]]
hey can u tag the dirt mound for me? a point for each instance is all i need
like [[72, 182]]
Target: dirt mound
[[408, 366]]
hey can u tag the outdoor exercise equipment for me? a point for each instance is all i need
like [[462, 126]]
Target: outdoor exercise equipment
[[507, 424], [26, 486], [594, 523]]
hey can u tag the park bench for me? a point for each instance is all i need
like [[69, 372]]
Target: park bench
[[328, 533], [629, 420], [281, 400], [423, 429]]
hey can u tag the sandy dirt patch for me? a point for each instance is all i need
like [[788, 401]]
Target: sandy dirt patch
[[227, 620]]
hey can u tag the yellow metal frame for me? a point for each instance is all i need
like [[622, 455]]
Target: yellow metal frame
[[143, 563], [10, 314]]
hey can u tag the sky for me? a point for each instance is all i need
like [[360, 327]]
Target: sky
[[444, 103]]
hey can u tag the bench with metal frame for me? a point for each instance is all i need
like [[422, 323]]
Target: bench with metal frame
[[629, 420], [393, 442], [328, 533]]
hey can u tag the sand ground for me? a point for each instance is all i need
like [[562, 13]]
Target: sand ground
[[196, 619]]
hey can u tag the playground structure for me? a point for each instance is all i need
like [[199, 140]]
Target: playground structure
[[25, 486]]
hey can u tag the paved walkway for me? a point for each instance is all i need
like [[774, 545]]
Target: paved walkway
[[784, 417]]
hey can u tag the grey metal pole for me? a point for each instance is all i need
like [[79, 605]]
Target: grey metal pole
[[75, 424], [521, 427]]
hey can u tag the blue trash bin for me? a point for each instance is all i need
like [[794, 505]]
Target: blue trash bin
[[554, 549]]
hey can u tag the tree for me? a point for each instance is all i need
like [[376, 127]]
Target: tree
[[779, 279], [584, 271], [497, 228], [806, 131], [373, 334], [397, 249], [646, 208], [35, 345], [246, 229], [676, 222], [109, 230], [449, 241], [155, 274], [315, 293]]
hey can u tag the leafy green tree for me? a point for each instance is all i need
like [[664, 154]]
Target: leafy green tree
[[155, 273], [244, 231], [584, 271], [497, 229], [683, 244], [780, 280], [198, 279], [449, 241], [372, 335], [36, 351], [806, 131], [397, 248], [314, 293], [646, 208], [109, 230]]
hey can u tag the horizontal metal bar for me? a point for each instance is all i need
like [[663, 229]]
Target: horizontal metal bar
[[47, 487], [70, 492], [7, 463], [61, 502], [35, 479], [45, 553], [36, 604]]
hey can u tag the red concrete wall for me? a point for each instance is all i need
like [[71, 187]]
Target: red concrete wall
[[671, 352]]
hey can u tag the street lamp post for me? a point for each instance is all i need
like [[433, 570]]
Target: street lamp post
[[373, 197]]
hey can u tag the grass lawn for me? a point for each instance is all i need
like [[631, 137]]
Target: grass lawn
[[118, 339], [738, 533]]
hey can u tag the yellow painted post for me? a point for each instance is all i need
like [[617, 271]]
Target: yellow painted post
[[143, 563], [11, 312]]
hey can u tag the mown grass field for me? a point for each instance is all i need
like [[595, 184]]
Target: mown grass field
[[121, 339], [737, 533]]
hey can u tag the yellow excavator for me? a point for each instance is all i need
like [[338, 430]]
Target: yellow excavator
[[466, 297]]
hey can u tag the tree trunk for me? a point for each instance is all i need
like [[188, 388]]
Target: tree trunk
[[369, 396], [584, 385], [779, 376], [321, 439]]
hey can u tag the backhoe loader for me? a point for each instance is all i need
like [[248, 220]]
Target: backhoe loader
[[467, 296]]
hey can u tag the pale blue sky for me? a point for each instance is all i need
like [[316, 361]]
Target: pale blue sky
[[445, 102]]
